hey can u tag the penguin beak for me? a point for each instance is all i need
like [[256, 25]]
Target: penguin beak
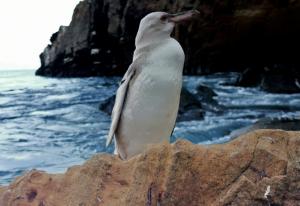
[[183, 16]]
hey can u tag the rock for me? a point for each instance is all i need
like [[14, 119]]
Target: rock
[[290, 124], [107, 105], [206, 96], [229, 36], [236, 173], [85, 47], [205, 93], [277, 78], [281, 80], [189, 109], [251, 77], [190, 115], [280, 84]]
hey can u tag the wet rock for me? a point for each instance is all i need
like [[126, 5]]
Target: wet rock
[[237, 173], [189, 108], [190, 115], [281, 80], [205, 93], [229, 36], [206, 96], [251, 77], [276, 78], [290, 124], [107, 105]]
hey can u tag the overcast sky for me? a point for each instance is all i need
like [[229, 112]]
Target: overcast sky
[[26, 27]]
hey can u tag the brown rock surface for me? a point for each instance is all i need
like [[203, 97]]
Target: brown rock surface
[[236, 173]]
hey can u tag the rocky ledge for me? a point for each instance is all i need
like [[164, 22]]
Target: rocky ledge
[[259, 168], [228, 36]]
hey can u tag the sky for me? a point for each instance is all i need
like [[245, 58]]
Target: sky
[[26, 27]]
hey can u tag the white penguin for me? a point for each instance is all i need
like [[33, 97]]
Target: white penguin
[[147, 99]]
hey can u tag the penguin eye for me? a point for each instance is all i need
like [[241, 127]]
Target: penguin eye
[[164, 17]]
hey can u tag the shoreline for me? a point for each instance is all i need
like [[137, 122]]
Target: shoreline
[[238, 172]]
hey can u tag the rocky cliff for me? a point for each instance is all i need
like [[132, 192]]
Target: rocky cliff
[[228, 36], [260, 168]]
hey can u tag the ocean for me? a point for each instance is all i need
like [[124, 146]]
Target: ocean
[[51, 124]]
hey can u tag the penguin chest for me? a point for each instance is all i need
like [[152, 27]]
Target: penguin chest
[[154, 98]]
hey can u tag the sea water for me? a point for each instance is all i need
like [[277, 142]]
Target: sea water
[[53, 123]]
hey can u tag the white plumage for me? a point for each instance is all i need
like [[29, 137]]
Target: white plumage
[[147, 100]]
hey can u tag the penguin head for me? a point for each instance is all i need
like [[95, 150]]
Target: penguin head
[[159, 25]]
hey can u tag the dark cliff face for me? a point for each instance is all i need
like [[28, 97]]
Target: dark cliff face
[[228, 36]]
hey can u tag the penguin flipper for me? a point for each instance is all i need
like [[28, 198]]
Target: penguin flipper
[[120, 102]]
